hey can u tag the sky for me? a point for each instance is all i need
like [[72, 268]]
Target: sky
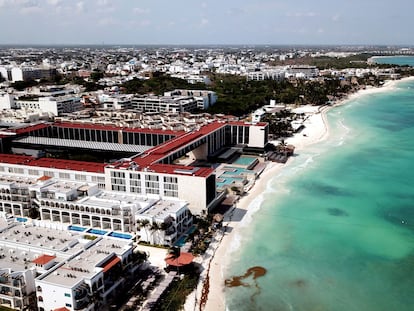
[[273, 22]]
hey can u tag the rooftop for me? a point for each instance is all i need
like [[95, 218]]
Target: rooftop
[[71, 143], [163, 209], [91, 167]]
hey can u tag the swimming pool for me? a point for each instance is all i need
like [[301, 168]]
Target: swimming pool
[[120, 235], [76, 228], [21, 219], [227, 181], [246, 161], [236, 171], [97, 231], [181, 241]]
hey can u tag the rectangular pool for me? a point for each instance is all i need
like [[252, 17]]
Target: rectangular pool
[[246, 161], [76, 228], [97, 231], [120, 235]]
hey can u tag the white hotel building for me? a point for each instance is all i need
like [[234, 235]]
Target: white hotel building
[[50, 268], [115, 196]]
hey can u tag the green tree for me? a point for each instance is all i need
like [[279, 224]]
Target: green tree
[[96, 75]]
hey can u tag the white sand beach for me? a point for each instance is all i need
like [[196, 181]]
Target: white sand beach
[[210, 294], [214, 262]]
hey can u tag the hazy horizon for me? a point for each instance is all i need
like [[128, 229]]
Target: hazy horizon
[[161, 22]]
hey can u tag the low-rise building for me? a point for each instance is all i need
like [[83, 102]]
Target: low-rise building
[[51, 267]]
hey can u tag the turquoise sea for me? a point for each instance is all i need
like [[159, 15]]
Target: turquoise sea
[[395, 60], [335, 228]]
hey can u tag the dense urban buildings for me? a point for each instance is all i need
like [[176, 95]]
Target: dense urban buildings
[[87, 174]]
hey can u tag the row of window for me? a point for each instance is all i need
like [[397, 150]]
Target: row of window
[[62, 175], [152, 183]]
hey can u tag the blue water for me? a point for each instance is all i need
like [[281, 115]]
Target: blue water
[[335, 230], [21, 219], [395, 60], [76, 228], [181, 241], [97, 231], [120, 235], [245, 161]]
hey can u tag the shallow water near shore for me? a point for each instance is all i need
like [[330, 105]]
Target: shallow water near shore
[[335, 231]]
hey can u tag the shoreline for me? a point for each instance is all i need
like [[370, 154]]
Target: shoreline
[[211, 289]]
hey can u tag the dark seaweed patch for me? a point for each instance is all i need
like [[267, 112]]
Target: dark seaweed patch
[[337, 212]]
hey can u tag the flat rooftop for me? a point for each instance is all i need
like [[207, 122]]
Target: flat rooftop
[[115, 199], [91, 167], [88, 263], [63, 186], [16, 181], [21, 243], [71, 143], [163, 208]]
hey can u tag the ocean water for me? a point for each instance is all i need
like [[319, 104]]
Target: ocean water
[[335, 229], [395, 60]]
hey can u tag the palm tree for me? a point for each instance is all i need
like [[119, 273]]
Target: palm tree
[[155, 227], [143, 224]]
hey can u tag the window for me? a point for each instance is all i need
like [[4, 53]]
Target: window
[[18, 170], [80, 177], [171, 186], [64, 175], [49, 173], [135, 182], [151, 184], [68, 305], [118, 181], [34, 172], [67, 295]]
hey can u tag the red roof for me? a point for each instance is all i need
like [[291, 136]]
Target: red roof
[[61, 309], [30, 128], [44, 259], [155, 154], [109, 264], [72, 165], [91, 167], [44, 177], [181, 170], [14, 159], [182, 260]]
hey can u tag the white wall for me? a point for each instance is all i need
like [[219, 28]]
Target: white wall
[[193, 190], [17, 74], [257, 136], [6, 101]]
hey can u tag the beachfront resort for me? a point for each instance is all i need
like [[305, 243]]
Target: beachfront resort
[[85, 206], [91, 182]]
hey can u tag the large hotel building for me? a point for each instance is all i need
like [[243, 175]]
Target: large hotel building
[[51, 207], [148, 172]]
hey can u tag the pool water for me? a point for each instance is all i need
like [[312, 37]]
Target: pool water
[[76, 228], [97, 231], [120, 235], [245, 161]]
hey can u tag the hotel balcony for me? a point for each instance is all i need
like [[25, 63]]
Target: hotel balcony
[[106, 224], [45, 216]]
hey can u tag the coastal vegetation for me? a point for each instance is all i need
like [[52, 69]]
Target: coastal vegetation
[[174, 298], [157, 85]]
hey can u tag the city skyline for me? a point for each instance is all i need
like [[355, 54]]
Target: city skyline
[[205, 22]]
